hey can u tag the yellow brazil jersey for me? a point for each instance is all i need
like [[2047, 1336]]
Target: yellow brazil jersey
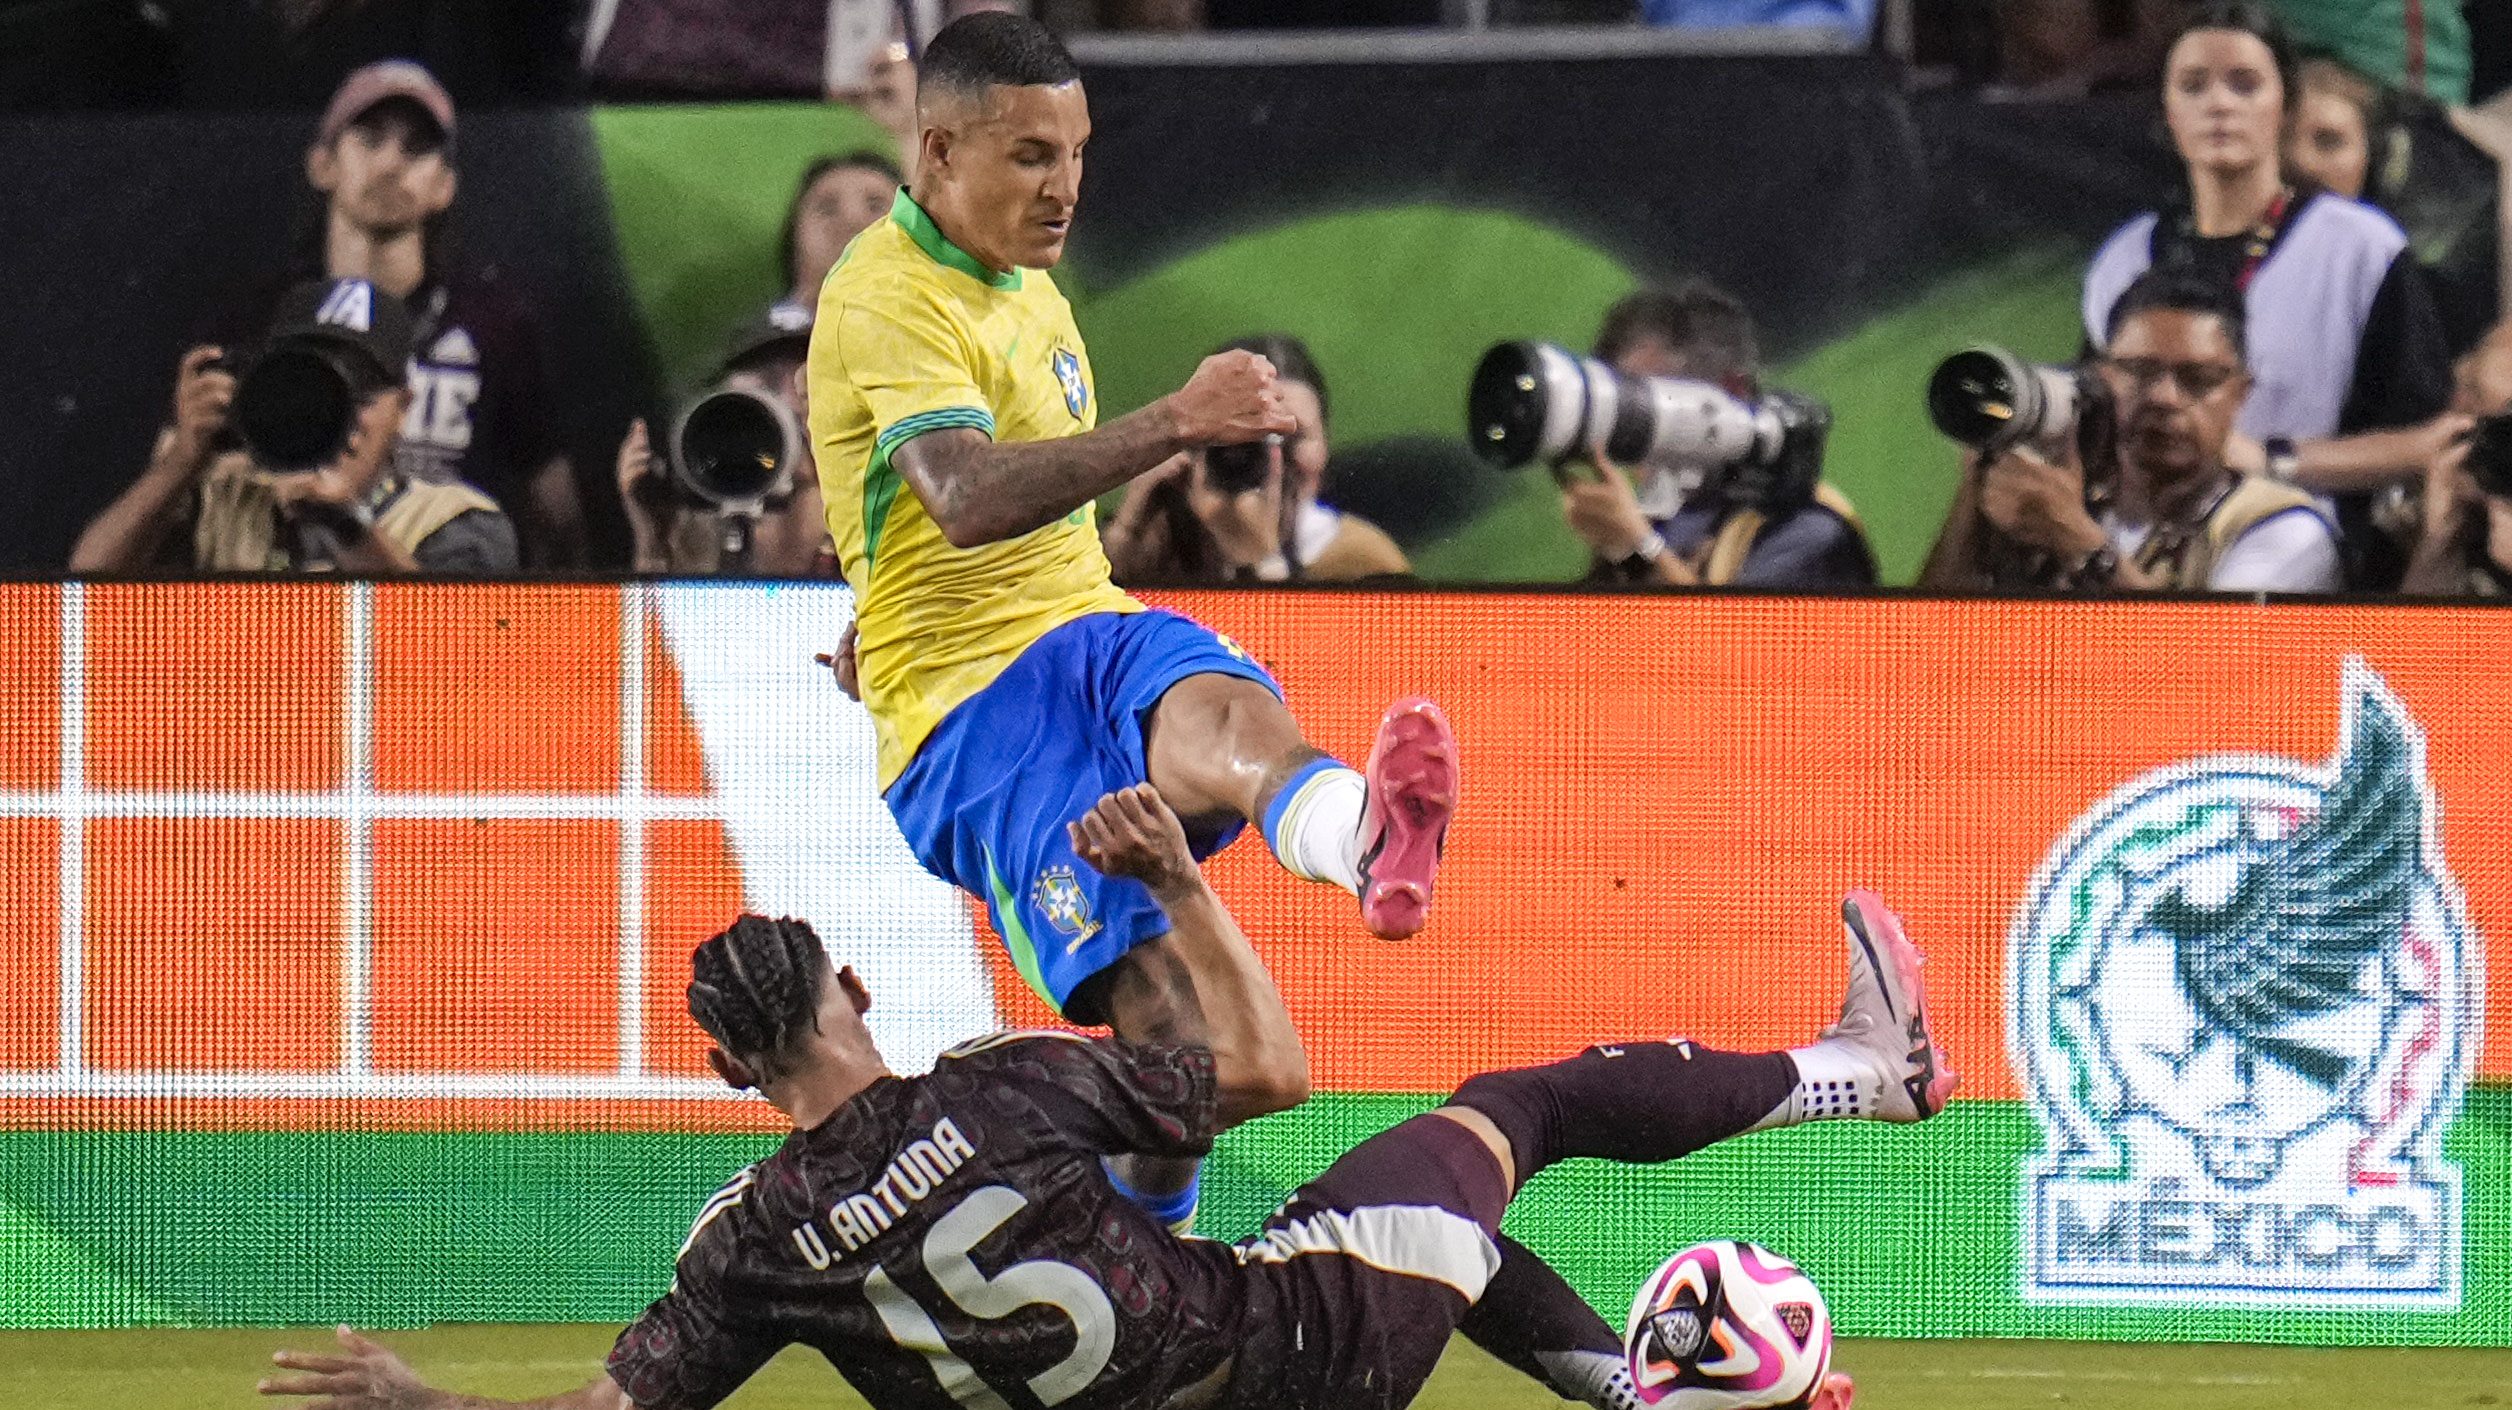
[[915, 335]]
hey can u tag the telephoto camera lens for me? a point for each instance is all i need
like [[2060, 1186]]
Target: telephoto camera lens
[[1990, 399], [1540, 401], [295, 406], [736, 446]]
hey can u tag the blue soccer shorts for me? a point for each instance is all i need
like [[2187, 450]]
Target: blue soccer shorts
[[985, 801]]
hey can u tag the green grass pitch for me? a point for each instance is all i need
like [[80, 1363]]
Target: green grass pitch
[[215, 1370]]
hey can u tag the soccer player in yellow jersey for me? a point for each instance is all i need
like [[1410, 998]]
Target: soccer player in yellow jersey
[[1010, 683]]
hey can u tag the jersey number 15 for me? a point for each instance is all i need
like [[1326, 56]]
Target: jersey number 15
[[1039, 1282]]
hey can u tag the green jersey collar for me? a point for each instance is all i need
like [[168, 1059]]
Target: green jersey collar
[[930, 239]]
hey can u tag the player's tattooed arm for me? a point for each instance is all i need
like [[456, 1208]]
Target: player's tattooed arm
[[980, 491], [370, 1377], [1258, 1064]]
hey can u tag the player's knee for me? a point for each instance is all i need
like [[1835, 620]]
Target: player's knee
[[1519, 1105]]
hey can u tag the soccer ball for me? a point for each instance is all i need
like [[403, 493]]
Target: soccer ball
[[1731, 1326]]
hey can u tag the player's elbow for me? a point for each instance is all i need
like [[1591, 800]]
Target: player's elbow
[[966, 530], [1278, 1079]]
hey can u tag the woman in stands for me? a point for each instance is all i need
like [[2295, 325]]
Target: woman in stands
[[2347, 355]]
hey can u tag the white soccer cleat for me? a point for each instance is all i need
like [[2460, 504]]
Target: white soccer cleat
[[1892, 1068]]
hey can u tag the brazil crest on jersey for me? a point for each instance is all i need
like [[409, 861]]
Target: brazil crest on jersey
[[916, 335]]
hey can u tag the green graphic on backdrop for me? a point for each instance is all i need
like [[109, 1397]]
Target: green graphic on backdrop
[[1397, 302], [1912, 1232]]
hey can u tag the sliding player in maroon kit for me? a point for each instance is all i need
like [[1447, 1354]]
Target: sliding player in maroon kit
[[951, 1240]]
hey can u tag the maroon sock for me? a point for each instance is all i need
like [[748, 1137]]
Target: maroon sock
[[1639, 1103]]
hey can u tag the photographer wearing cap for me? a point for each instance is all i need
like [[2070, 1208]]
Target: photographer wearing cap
[[287, 464], [2173, 515], [382, 169], [760, 513], [1250, 513], [1667, 528], [2466, 546]]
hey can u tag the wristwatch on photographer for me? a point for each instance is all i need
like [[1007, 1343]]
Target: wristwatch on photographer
[[1644, 554], [2098, 569], [2284, 461]]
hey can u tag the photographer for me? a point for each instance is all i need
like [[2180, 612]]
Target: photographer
[[1671, 528], [329, 376], [2350, 362], [2173, 515], [2466, 545], [382, 172], [686, 524], [1250, 513]]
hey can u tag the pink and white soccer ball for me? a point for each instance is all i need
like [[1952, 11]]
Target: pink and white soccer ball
[[1732, 1326]]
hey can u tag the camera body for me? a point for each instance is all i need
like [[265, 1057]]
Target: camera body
[[736, 448], [1533, 401], [1239, 469], [2490, 455]]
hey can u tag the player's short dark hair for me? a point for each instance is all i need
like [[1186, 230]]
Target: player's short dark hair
[[862, 158], [992, 49], [756, 989], [2182, 291], [2259, 22], [1290, 357], [1710, 327]]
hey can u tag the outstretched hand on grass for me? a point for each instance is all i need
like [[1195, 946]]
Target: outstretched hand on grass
[[369, 1377]]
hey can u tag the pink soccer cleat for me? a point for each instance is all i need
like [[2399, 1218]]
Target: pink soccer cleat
[[1885, 1014], [1412, 777]]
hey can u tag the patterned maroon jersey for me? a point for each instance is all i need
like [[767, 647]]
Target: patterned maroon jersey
[[949, 1241]]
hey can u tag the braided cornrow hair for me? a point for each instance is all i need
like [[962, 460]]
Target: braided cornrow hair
[[755, 989]]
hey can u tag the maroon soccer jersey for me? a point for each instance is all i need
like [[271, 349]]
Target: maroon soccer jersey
[[949, 1240]]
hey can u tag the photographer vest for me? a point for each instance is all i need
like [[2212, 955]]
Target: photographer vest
[[240, 529], [1733, 543], [2188, 559]]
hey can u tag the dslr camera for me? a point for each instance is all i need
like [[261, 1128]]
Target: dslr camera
[[334, 345], [736, 448], [2490, 455], [1532, 401], [1993, 401]]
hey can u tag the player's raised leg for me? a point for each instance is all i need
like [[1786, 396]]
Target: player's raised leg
[[1643, 1103], [1419, 1206], [1222, 747]]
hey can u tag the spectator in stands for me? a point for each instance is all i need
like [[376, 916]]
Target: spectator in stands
[[1193, 519], [2340, 131], [357, 512], [2348, 357], [2181, 518], [1854, 17], [382, 163], [2465, 547], [1667, 529], [837, 198], [672, 532]]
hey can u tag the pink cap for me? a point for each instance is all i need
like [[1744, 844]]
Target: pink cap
[[392, 78]]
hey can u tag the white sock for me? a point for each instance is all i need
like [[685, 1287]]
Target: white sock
[[1835, 1079], [1320, 834], [1591, 1378]]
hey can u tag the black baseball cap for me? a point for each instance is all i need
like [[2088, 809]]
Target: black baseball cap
[[352, 315], [784, 328]]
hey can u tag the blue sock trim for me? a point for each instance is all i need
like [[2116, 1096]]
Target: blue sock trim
[[1168, 1209], [1289, 793]]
